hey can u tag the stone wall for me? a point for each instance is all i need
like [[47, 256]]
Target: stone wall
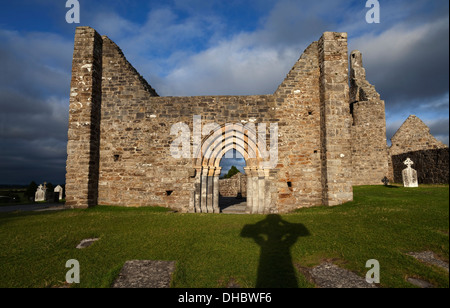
[[335, 119], [299, 149], [412, 136], [432, 165], [120, 134], [234, 185], [369, 145], [82, 168]]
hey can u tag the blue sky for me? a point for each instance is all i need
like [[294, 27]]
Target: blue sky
[[199, 47]]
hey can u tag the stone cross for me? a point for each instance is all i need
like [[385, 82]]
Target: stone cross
[[385, 181], [409, 175], [408, 162]]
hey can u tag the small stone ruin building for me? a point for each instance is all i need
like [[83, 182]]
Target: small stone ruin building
[[430, 156]]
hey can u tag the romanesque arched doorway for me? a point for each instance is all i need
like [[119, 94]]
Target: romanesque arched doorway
[[205, 197]]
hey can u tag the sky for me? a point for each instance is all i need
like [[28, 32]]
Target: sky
[[208, 47]]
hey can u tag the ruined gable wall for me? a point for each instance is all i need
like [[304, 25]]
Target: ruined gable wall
[[369, 146], [413, 135], [298, 108]]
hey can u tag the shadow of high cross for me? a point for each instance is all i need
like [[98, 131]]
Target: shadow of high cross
[[275, 236]]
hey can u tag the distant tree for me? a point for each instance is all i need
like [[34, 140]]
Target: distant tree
[[50, 187], [31, 190], [233, 170]]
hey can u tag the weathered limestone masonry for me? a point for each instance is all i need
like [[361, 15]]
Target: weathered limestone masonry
[[413, 135], [335, 119], [119, 135], [233, 186], [84, 120], [369, 146]]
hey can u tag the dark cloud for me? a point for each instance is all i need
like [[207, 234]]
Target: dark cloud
[[34, 104], [439, 126], [440, 129], [408, 65]]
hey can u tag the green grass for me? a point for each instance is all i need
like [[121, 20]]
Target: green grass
[[381, 223]]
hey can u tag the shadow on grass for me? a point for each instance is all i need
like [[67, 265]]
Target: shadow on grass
[[275, 236], [391, 186]]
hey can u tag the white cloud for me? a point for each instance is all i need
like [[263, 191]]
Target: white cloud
[[112, 24], [407, 63], [231, 68]]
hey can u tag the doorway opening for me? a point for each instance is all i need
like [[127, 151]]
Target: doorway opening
[[211, 156], [232, 183]]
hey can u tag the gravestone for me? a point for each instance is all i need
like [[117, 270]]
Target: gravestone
[[40, 193], [59, 189], [328, 275], [145, 274], [409, 175], [385, 181]]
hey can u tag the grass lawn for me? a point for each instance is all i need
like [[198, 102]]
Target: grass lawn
[[382, 223]]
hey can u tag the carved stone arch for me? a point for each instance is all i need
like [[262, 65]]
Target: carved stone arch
[[244, 137], [205, 197]]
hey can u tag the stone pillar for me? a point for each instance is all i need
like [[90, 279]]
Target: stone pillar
[[82, 168], [267, 192], [197, 190], [255, 191], [261, 191], [204, 192], [335, 119], [249, 191], [210, 190], [216, 208]]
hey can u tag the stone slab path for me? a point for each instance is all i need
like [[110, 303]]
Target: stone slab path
[[145, 274], [420, 283], [430, 258], [328, 275], [236, 209]]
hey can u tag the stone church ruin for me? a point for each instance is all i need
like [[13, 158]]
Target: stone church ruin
[[331, 134]]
